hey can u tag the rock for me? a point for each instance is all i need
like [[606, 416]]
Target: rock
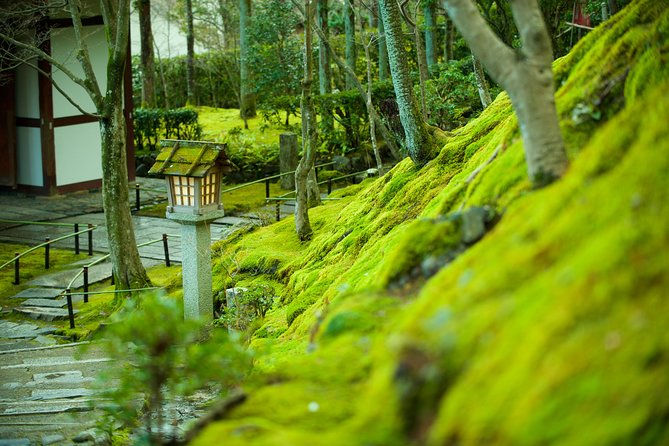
[[234, 293], [12, 330], [475, 222], [93, 435], [141, 170], [341, 163], [15, 442], [51, 439]]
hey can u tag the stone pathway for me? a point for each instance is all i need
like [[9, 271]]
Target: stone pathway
[[47, 395]]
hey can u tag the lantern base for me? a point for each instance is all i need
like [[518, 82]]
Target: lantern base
[[192, 219]]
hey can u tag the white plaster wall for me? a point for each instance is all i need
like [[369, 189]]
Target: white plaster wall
[[78, 153], [27, 93], [63, 43], [29, 156]]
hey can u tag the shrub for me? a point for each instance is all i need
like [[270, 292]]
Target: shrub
[[152, 124], [154, 349]]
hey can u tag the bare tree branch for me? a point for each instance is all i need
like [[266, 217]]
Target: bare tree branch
[[60, 89], [83, 55], [41, 54]]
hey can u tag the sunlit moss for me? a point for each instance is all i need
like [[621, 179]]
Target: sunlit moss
[[548, 331]]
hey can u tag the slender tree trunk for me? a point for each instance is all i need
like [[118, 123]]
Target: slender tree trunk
[[306, 164], [417, 139], [423, 72], [148, 65], [380, 125], [430, 35], [449, 40], [383, 51], [190, 54], [481, 83], [247, 106], [324, 70], [349, 28], [370, 111], [527, 77]]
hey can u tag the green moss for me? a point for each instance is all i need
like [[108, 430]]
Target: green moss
[[550, 330]]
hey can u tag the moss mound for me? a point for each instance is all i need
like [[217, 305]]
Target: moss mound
[[394, 327]]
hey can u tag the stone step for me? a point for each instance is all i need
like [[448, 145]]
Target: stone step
[[12, 330], [55, 303], [59, 394], [48, 314], [39, 293]]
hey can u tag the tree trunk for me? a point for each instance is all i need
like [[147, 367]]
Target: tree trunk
[[349, 28], [306, 164], [128, 270], [481, 83], [423, 73], [370, 112], [148, 65], [430, 35], [324, 70], [190, 54], [449, 40], [417, 140], [379, 124], [247, 100], [383, 51], [528, 78]]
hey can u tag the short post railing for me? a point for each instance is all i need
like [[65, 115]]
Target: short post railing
[[70, 308], [46, 253], [166, 249], [17, 256], [76, 238], [137, 201], [86, 284], [90, 239]]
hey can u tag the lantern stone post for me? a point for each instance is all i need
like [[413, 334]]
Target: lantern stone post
[[193, 170], [196, 263]]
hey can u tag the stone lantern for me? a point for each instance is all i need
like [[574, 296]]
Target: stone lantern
[[193, 171]]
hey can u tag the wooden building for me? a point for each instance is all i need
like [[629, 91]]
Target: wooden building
[[48, 146]]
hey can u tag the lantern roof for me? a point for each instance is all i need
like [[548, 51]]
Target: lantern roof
[[190, 158]]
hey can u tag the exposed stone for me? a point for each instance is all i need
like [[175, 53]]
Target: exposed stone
[[39, 293], [15, 442], [12, 330], [51, 439], [45, 314]]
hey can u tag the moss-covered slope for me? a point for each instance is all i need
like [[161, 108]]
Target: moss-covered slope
[[394, 326]]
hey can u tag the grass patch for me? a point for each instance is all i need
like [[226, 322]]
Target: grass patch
[[218, 122]]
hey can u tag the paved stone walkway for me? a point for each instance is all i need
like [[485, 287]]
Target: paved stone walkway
[[45, 389], [47, 395]]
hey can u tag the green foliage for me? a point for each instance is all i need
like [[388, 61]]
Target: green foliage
[[244, 306], [451, 97], [276, 50], [254, 160], [154, 349], [216, 80], [151, 125]]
